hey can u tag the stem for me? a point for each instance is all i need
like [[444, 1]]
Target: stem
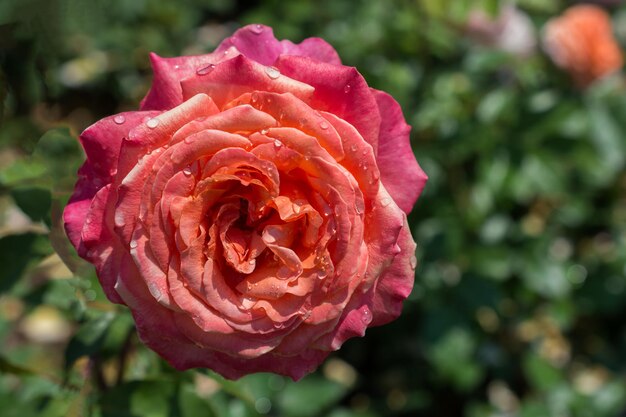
[[123, 356]]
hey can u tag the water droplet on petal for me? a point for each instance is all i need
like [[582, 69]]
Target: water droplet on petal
[[256, 29], [272, 72], [133, 244], [119, 119], [413, 262], [189, 139], [152, 123], [176, 66], [367, 317], [396, 249], [347, 88], [353, 148], [112, 171], [187, 171], [205, 70], [277, 144], [323, 125], [264, 131], [119, 221], [385, 201]]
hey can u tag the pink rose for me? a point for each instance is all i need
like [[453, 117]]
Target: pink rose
[[252, 213], [581, 42], [512, 31]]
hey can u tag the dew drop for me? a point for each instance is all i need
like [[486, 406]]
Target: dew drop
[[205, 70], [152, 123], [264, 131], [189, 139], [353, 148], [133, 244], [396, 249], [277, 144], [413, 262], [176, 66], [367, 317], [187, 171], [272, 72], [323, 125], [256, 29], [112, 171], [385, 202], [119, 119], [119, 221], [347, 88]]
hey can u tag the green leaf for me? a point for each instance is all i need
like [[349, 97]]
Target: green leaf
[[89, 338], [310, 396], [16, 253], [452, 357], [540, 373], [192, 405], [34, 202], [10, 368], [22, 171], [607, 136], [140, 399]]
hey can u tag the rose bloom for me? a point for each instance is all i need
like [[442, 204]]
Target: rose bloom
[[252, 214], [511, 31], [581, 41]]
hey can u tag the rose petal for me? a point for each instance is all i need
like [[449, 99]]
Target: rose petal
[[399, 171], [339, 90]]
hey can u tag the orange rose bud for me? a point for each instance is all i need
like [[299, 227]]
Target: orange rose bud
[[581, 41]]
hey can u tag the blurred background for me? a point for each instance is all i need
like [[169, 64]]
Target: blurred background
[[519, 301]]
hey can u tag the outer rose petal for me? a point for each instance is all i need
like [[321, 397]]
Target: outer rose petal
[[339, 90], [399, 171], [315, 48], [102, 142], [256, 42], [396, 283], [166, 91]]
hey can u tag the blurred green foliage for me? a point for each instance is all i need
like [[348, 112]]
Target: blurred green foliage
[[519, 303]]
